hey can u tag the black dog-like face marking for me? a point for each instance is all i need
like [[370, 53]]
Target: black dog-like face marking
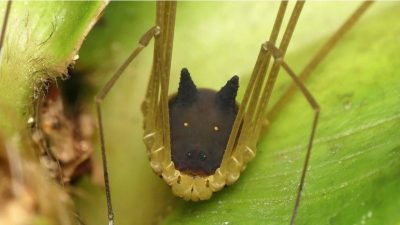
[[200, 122]]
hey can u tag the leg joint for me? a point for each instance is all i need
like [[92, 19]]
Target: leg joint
[[145, 39], [276, 53], [97, 99]]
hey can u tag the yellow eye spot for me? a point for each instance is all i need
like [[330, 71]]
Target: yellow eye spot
[[185, 124], [216, 128]]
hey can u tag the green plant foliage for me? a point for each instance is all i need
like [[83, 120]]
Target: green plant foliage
[[41, 41]]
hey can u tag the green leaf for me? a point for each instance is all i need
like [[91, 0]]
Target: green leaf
[[42, 40], [355, 164]]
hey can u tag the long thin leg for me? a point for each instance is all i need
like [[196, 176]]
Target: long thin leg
[[155, 106], [166, 12], [144, 41], [260, 103], [258, 92], [5, 22], [279, 58], [319, 57], [254, 87], [241, 147]]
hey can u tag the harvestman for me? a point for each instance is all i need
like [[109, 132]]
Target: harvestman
[[195, 181]]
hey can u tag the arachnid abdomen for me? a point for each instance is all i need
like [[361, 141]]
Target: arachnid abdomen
[[200, 122]]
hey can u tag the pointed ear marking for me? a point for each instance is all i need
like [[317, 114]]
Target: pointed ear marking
[[227, 94], [187, 90]]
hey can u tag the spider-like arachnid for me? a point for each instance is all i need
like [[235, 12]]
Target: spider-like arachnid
[[200, 140]]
